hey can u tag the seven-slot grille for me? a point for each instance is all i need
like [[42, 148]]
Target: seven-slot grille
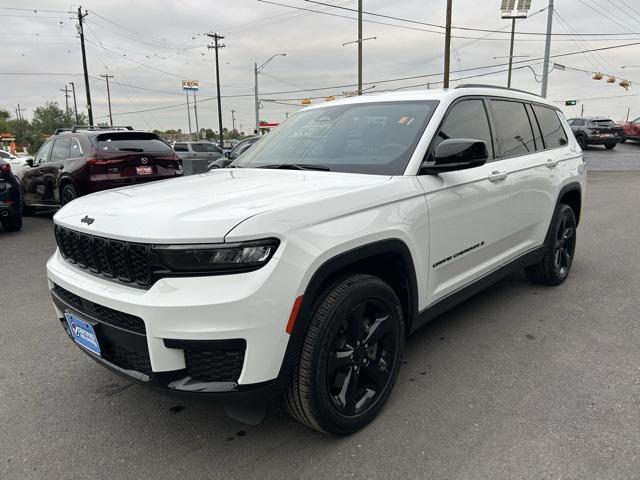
[[124, 261]]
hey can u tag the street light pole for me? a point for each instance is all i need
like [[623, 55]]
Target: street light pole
[[513, 35], [547, 51], [256, 70]]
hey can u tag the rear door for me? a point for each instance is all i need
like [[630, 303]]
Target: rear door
[[131, 157], [532, 169], [469, 210]]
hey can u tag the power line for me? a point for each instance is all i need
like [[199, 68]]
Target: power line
[[472, 29]]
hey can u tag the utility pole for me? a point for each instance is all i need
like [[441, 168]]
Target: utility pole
[[84, 64], [66, 99], [359, 47], [195, 113], [189, 116], [582, 110], [19, 112], [217, 46], [547, 51], [447, 46], [75, 105], [233, 119], [256, 70], [106, 76], [513, 35]]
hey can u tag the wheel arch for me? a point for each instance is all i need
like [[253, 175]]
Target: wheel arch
[[390, 259], [64, 181], [570, 194]]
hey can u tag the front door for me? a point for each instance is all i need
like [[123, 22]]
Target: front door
[[469, 210], [32, 180]]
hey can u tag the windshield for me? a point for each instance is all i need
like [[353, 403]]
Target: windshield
[[376, 138]]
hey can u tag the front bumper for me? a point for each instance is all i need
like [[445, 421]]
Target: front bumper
[[205, 336]]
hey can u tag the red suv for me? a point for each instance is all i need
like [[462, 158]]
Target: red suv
[[82, 160], [632, 130]]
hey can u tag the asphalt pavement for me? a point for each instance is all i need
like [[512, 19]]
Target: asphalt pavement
[[520, 382]]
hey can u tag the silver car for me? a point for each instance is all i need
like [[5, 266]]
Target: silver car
[[197, 156]]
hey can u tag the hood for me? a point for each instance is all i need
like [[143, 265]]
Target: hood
[[205, 207]]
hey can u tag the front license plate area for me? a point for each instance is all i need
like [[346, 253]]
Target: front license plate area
[[83, 333], [144, 170]]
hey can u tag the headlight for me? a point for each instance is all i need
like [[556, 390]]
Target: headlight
[[217, 258]]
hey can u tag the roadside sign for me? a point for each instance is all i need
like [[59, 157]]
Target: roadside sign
[[570, 103], [190, 84]]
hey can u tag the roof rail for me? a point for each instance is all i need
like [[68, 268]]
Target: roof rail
[[481, 85], [75, 128], [61, 129]]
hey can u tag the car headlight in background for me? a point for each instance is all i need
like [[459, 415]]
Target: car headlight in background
[[217, 258]]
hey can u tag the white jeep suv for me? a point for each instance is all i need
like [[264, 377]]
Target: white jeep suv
[[297, 272]]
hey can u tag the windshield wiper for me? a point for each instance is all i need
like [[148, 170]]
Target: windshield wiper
[[296, 166]]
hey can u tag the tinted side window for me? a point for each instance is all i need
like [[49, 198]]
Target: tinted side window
[[552, 131], [43, 153], [74, 149], [466, 119], [513, 128], [60, 150], [180, 147]]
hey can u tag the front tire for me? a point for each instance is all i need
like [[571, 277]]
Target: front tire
[[555, 266], [350, 356], [610, 146]]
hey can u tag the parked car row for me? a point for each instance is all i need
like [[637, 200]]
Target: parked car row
[[80, 160], [603, 131]]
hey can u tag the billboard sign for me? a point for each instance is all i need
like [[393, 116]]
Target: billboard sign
[[190, 84]]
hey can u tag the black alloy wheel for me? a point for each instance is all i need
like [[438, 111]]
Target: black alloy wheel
[[582, 141], [68, 194], [350, 355], [565, 244], [560, 248], [359, 366]]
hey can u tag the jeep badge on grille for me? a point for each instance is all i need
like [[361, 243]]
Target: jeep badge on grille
[[88, 220]]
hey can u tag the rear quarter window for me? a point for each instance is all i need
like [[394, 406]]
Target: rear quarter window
[[552, 130], [130, 142]]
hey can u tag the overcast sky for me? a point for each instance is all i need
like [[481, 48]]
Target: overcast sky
[[153, 44]]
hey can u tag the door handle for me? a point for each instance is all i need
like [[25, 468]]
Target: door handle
[[497, 176], [551, 163]]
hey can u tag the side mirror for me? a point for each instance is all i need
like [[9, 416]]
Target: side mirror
[[29, 162], [457, 154], [227, 154]]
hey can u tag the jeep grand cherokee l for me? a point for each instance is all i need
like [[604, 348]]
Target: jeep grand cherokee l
[[298, 272], [83, 160]]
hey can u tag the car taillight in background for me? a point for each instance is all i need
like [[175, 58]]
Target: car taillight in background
[[95, 161]]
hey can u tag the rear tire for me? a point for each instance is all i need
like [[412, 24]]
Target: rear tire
[[623, 140], [11, 224], [582, 141], [610, 146], [350, 356], [68, 194], [555, 266]]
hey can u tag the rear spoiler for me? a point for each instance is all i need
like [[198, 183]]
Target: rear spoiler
[[76, 128]]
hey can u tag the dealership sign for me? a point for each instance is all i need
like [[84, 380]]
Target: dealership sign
[[190, 84]]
